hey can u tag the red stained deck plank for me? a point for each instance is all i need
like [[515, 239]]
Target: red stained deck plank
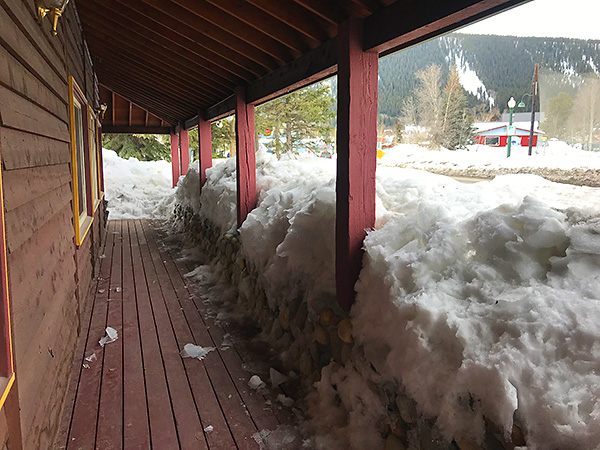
[[206, 400], [109, 435], [189, 427], [163, 431], [136, 428], [140, 394], [262, 415], [82, 433]]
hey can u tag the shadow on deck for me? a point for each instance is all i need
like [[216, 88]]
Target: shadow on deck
[[137, 392]]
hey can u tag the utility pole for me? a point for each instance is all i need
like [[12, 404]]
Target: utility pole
[[535, 87]]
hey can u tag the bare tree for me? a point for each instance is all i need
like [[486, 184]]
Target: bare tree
[[585, 119], [429, 101]]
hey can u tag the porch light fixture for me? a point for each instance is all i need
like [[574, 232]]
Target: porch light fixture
[[102, 110], [53, 7]]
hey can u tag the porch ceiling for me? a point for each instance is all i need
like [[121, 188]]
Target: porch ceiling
[[179, 58]]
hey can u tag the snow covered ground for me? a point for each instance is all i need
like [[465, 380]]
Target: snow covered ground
[[134, 189], [477, 300], [556, 155]]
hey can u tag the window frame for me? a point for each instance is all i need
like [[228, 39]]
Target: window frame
[[93, 125], [7, 373], [496, 138], [82, 219]]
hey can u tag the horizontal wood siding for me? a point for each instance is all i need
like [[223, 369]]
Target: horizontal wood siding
[[49, 277]]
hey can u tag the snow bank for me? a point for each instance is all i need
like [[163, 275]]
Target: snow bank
[[479, 300], [557, 155], [135, 189], [475, 301]]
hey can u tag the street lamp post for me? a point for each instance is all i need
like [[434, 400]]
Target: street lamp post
[[511, 106]]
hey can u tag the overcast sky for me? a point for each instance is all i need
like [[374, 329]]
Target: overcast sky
[[555, 18]]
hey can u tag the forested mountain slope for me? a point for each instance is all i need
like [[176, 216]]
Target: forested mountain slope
[[491, 68]]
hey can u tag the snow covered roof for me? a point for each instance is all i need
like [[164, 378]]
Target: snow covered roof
[[483, 127]]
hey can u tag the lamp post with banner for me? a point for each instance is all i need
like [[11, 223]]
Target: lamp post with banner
[[511, 129]]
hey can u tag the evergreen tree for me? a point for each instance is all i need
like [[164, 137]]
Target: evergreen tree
[[306, 113], [145, 147]]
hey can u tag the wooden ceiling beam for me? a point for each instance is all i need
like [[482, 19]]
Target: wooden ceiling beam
[[154, 51], [366, 7], [157, 50], [138, 68], [125, 11], [198, 29], [174, 68], [213, 15], [299, 18], [403, 24], [311, 67], [324, 10], [156, 108], [146, 92], [137, 129], [264, 23]]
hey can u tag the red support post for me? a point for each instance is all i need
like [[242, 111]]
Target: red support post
[[205, 149], [175, 157], [245, 158], [184, 144], [356, 151]]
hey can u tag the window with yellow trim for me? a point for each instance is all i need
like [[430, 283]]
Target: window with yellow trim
[[81, 161], [7, 375]]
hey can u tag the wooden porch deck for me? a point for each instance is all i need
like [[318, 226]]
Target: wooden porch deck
[[138, 393]]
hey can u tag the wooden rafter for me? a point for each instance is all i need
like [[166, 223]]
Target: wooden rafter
[[261, 21], [158, 50]]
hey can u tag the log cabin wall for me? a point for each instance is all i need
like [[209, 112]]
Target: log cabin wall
[[49, 276]]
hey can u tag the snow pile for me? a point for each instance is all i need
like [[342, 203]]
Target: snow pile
[[135, 189], [480, 302], [476, 300], [289, 235]]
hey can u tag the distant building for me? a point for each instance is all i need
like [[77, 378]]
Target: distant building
[[495, 134]]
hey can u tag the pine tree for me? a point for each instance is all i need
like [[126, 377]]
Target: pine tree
[[145, 147], [306, 113]]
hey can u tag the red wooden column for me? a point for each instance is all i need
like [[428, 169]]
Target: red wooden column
[[205, 149], [175, 157], [245, 158], [184, 143], [356, 162]]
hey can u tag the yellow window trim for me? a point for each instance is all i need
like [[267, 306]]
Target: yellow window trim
[[11, 380], [79, 236]]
